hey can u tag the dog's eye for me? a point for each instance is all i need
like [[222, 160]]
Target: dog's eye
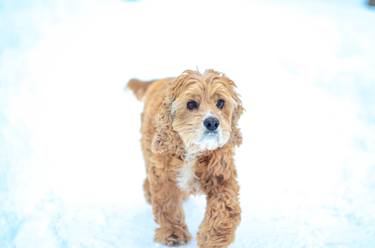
[[192, 105], [220, 103]]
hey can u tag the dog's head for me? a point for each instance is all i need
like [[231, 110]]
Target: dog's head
[[201, 112]]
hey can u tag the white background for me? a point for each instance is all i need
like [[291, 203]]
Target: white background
[[71, 168]]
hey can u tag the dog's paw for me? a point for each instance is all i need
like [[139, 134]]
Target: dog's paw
[[172, 237]]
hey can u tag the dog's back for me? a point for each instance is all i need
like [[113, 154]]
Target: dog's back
[[152, 93]]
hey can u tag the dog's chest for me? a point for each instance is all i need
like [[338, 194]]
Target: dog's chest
[[187, 181]]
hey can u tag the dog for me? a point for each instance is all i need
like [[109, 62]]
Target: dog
[[189, 133]]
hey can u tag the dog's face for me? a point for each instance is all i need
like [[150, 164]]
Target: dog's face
[[203, 108]]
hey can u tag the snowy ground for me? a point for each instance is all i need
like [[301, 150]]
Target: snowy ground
[[71, 168]]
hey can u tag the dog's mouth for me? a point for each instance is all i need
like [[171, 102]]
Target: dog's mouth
[[211, 134], [210, 140]]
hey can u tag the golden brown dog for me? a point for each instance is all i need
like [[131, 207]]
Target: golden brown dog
[[189, 132]]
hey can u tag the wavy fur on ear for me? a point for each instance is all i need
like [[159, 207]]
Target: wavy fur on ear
[[236, 136], [165, 138]]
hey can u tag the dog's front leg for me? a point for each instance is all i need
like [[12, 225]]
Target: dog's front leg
[[166, 200], [223, 209]]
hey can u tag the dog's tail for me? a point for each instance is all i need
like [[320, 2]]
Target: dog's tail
[[139, 87]]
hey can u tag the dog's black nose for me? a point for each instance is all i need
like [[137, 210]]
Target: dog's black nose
[[211, 123]]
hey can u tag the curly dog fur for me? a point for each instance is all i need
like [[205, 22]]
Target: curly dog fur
[[182, 158]]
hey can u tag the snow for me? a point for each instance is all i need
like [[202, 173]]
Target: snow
[[71, 168]]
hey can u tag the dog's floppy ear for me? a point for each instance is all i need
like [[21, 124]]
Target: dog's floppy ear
[[165, 138], [236, 135]]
